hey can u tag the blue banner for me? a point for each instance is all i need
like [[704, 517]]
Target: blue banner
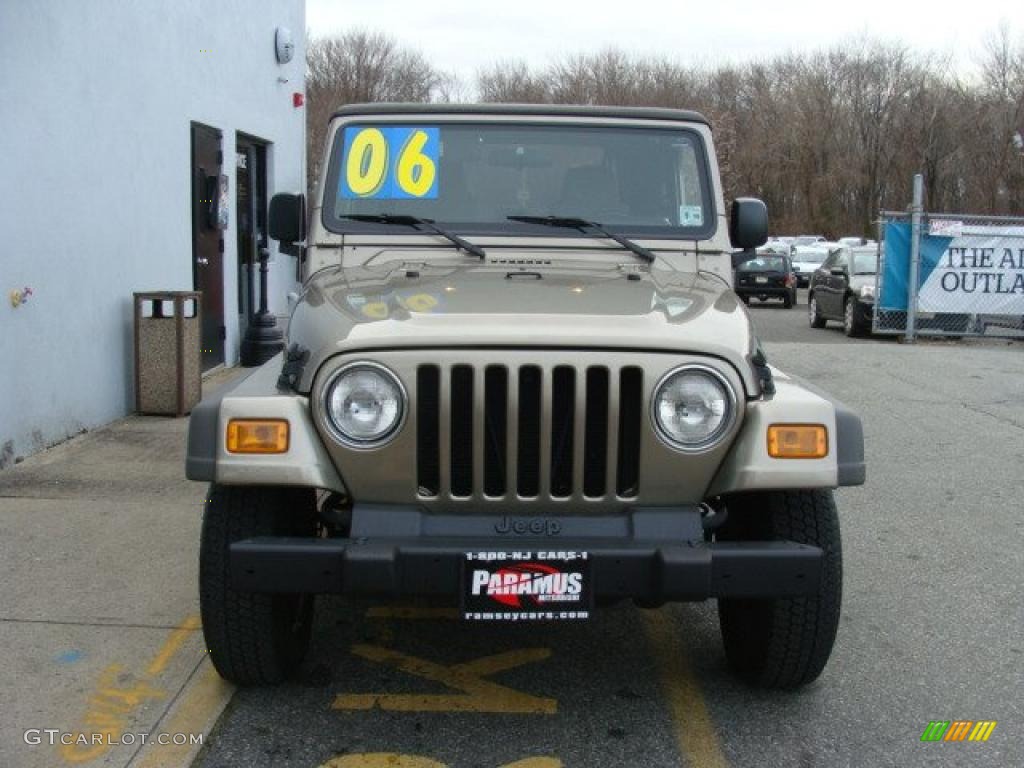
[[897, 263]]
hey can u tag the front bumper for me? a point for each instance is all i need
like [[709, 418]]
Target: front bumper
[[655, 554]]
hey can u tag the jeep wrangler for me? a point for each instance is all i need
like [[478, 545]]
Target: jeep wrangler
[[517, 378]]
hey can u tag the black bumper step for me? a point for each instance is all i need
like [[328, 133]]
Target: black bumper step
[[652, 570]]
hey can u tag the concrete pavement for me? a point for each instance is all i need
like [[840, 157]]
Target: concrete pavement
[[99, 627]]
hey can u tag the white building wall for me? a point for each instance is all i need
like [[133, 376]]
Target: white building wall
[[96, 102]]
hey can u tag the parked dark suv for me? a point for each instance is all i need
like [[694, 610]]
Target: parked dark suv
[[768, 276], [843, 289]]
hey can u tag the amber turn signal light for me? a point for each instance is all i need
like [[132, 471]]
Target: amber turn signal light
[[797, 441], [257, 436]]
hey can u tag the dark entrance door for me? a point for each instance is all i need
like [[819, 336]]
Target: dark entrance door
[[251, 226], [207, 239]]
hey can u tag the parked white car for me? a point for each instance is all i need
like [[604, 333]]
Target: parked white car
[[780, 244], [807, 258], [807, 240]]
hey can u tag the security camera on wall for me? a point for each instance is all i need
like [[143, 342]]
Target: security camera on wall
[[284, 46]]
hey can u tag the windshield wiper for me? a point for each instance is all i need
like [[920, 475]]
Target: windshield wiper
[[569, 222], [416, 222]]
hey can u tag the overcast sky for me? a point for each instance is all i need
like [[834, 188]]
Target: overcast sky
[[461, 36]]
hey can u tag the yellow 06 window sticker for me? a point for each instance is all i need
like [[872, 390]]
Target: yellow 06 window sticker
[[396, 162]]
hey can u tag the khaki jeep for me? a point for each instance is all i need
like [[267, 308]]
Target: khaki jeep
[[517, 379]]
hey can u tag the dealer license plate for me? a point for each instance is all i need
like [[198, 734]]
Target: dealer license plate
[[760, 279], [540, 585]]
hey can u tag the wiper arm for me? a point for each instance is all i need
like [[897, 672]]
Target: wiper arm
[[416, 222], [570, 222]]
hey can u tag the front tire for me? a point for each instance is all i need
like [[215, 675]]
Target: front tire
[[852, 327], [813, 315], [784, 642], [252, 638]]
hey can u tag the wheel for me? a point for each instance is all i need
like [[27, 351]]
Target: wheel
[[252, 638], [784, 642], [851, 325], [813, 316]]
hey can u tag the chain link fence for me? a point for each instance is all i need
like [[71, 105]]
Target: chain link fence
[[964, 275]]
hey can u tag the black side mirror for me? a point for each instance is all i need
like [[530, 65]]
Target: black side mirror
[[748, 223], [287, 219]]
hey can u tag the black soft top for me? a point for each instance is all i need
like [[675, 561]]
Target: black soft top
[[540, 110]]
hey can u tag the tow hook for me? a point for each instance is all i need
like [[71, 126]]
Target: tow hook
[[711, 518]]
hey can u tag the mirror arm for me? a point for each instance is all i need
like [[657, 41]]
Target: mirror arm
[[298, 250]]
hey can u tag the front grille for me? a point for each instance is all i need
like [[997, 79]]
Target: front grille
[[528, 431]]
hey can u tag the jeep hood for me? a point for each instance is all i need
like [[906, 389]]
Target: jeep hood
[[507, 304]]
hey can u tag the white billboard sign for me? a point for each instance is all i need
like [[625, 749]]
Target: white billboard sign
[[980, 271]]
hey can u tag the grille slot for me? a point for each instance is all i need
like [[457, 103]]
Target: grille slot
[[595, 441], [528, 459], [462, 431], [631, 393], [562, 420], [428, 414], [536, 432], [495, 429]]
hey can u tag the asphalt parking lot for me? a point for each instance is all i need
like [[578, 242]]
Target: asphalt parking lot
[[931, 625]]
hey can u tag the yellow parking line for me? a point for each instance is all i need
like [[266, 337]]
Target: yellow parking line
[[695, 732], [477, 694], [397, 760], [200, 704], [381, 760], [118, 697], [172, 645]]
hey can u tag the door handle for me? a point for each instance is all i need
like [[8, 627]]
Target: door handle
[[202, 262]]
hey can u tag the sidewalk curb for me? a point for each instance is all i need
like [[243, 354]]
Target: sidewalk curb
[[195, 711]]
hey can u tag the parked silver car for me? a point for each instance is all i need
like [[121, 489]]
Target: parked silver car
[[807, 259]]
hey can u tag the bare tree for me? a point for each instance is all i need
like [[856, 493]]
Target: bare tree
[[827, 139], [512, 82], [360, 67], [1000, 117]]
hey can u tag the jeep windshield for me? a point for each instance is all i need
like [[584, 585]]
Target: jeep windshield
[[471, 178]]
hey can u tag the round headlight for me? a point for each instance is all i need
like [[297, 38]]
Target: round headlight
[[693, 407], [365, 404]]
